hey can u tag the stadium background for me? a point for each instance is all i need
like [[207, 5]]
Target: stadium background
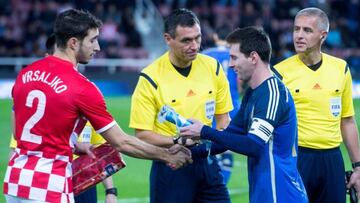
[[131, 37]]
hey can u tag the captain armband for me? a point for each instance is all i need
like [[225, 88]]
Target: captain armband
[[262, 129]]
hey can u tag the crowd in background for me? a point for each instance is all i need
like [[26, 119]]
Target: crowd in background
[[25, 24]]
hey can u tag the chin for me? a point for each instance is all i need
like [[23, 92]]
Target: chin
[[83, 62]]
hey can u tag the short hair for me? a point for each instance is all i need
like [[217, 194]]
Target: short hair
[[182, 17], [223, 31], [251, 39], [50, 44], [74, 23], [323, 23]]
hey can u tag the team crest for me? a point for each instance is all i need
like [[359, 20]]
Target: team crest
[[210, 109], [335, 106]]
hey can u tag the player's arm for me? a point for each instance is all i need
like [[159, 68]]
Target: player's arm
[[110, 190], [144, 112], [350, 135], [223, 140], [222, 120], [134, 147], [154, 138], [105, 125]]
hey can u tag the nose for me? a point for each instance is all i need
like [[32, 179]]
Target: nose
[[97, 46], [194, 45]]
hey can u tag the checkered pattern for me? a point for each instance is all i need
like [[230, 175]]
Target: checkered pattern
[[39, 176]]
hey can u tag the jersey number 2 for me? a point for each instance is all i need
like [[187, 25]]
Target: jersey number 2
[[26, 135]]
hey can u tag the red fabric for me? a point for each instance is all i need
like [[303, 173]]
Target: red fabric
[[88, 172], [50, 99]]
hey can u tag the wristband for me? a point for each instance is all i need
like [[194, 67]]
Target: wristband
[[176, 140], [111, 191], [355, 164]]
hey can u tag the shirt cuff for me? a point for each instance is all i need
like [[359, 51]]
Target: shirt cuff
[[207, 133]]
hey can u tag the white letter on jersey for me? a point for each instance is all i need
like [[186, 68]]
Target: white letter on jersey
[[262, 129]]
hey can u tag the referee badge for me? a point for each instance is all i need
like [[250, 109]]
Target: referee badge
[[335, 106], [210, 109]]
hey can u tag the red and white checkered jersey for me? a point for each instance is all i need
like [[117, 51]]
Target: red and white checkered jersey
[[50, 96]]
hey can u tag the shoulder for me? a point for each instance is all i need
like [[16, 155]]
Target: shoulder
[[271, 91], [335, 62], [208, 63], [287, 63]]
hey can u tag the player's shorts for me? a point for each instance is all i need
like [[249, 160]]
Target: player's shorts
[[323, 174], [196, 182], [13, 199], [89, 196]]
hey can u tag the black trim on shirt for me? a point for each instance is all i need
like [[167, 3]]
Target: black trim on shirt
[[276, 72], [314, 67], [346, 68], [183, 71], [217, 68], [149, 79]]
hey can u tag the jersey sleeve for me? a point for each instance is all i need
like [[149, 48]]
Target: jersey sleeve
[[267, 112], [92, 106], [143, 108], [223, 96], [347, 100]]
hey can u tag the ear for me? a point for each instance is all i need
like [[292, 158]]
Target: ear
[[167, 38], [323, 36], [73, 43], [254, 57]]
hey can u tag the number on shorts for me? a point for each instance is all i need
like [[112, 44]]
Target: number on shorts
[[26, 135]]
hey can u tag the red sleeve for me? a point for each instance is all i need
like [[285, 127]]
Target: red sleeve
[[92, 106]]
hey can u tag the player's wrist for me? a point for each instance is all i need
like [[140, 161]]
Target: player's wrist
[[180, 140], [176, 140], [111, 191]]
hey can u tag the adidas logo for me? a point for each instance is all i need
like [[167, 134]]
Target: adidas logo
[[190, 93], [316, 86]]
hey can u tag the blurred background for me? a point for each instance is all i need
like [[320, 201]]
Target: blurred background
[[132, 36]]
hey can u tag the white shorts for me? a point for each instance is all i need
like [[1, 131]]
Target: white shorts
[[14, 199]]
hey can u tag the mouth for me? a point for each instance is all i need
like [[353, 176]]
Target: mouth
[[300, 43]]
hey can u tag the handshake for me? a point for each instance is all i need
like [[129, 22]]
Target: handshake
[[189, 131]]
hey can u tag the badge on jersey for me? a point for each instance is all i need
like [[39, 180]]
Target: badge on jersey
[[210, 109], [335, 106], [86, 134]]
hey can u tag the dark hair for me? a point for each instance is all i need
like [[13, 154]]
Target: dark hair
[[182, 17], [74, 23], [50, 44], [223, 31], [251, 39]]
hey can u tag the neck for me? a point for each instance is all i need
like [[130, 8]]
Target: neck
[[66, 55], [310, 58], [178, 62], [261, 73]]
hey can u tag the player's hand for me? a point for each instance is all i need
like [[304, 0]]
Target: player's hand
[[355, 181], [110, 198], [84, 148], [179, 156], [192, 131], [178, 148]]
